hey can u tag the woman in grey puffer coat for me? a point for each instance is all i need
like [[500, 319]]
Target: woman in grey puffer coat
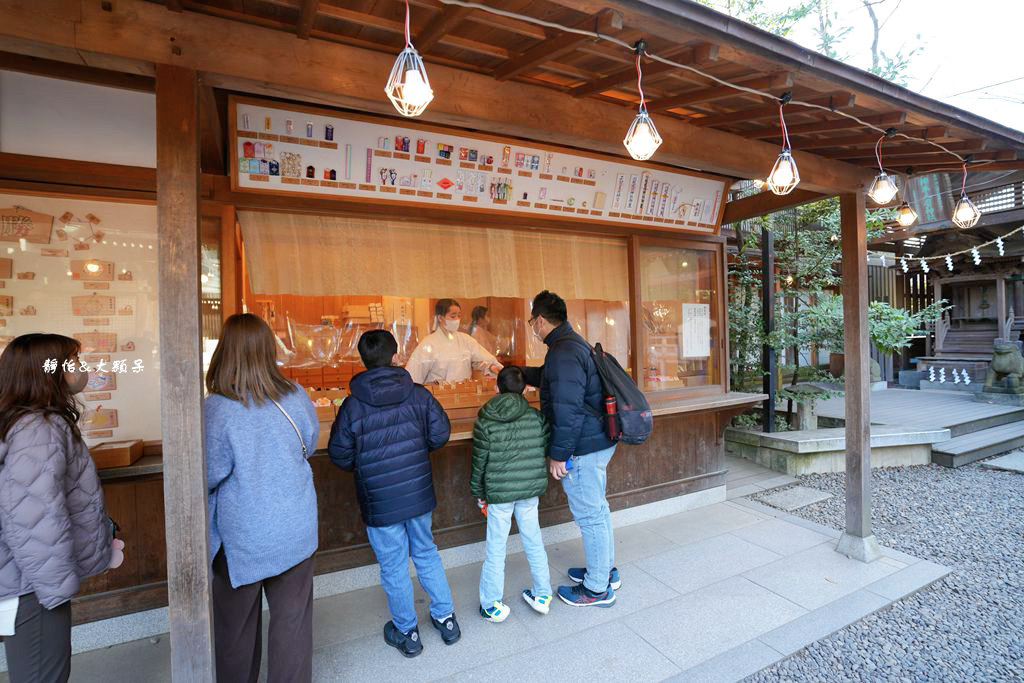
[[54, 530]]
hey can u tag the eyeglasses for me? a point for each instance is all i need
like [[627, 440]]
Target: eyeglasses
[[532, 320]]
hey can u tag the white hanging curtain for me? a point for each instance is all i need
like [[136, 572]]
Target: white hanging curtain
[[309, 255]]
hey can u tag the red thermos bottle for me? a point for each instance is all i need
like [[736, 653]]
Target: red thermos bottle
[[611, 411]]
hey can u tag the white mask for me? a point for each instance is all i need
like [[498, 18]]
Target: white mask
[[537, 334], [451, 325]]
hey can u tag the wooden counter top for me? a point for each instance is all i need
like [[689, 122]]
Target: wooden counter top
[[462, 430]]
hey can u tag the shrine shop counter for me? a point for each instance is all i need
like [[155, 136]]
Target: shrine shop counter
[[684, 455]]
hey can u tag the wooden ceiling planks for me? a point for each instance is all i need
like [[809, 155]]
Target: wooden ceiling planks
[[514, 49]]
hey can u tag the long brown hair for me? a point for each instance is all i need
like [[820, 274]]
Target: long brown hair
[[27, 385], [244, 364]]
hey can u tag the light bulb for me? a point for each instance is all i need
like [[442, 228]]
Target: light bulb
[[642, 139], [966, 214], [408, 87], [415, 91], [784, 176], [883, 189], [906, 216]]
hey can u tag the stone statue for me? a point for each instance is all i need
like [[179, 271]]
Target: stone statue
[[1006, 370]]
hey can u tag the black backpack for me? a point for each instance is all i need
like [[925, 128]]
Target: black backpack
[[634, 421]]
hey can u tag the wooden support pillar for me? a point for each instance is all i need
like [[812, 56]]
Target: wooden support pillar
[[636, 338], [768, 360], [857, 542], [188, 565], [230, 273]]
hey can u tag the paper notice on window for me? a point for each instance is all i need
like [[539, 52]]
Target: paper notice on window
[[695, 333]]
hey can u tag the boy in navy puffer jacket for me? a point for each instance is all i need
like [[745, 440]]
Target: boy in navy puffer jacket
[[384, 432]]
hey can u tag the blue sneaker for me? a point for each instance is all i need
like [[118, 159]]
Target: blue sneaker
[[579, 596], [576, 575]]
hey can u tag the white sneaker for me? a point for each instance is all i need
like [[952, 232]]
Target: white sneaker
[[497, 613], [540, 603]]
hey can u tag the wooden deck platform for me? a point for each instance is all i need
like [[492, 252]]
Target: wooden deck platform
[[953, 410], [978, 430]]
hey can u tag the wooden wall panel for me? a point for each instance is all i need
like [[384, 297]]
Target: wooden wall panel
[[684, 455]]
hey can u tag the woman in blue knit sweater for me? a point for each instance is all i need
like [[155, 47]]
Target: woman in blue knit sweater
[[260, 431]]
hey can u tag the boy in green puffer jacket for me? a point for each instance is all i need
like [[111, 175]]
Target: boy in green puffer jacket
[[509, 474]]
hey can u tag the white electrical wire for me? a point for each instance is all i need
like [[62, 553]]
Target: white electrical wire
[[686, 67]]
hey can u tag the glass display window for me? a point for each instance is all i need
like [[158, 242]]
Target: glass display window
[[321, 281], [682, 322]]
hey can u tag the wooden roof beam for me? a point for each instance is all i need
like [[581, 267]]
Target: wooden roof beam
[[478, 16], [954, 167], [559, 44], [910, 149], [38, 66], [721, 92], [829, 125], [861, 140], [398, 28], [306, 17], [443, 22], [763, 203], [839, 100], [307, 71], [936, 158], [703, 53]]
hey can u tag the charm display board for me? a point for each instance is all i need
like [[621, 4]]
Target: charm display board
[[91, 275], [315, 152]]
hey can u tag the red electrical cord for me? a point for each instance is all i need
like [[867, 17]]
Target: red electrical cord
[[785, 131], [408, 40], [639, 82]]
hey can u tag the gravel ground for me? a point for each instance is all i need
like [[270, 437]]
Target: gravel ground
[[967, 627]]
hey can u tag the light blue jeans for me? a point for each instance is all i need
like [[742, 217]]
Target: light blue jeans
[[585, 486], [499, 522], [393, 545]]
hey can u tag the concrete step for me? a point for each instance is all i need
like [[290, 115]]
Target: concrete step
[[965, 449]]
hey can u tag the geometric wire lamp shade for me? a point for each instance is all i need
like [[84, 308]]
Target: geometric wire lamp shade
[[906, 216], [883, 189], [966, 214], [642, 139], [784, 176], [408, 87]]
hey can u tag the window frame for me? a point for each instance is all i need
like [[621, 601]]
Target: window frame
[[715, 245]]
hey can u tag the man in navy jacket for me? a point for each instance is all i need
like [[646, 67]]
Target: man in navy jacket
[[572, 399], [385, 432]]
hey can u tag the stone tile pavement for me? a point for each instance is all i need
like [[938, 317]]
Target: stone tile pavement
[[711, 594]]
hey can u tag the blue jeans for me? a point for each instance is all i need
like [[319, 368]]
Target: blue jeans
[[499, 522], [585, 486], [393, 545]]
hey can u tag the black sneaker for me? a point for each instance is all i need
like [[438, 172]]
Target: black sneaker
[[449, 628], [407, 643]]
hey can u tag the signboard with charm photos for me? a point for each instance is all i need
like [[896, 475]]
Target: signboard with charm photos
[[307, 151], [88, 270]]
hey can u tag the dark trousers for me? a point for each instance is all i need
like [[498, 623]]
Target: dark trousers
[[237, 614], [40, 649]]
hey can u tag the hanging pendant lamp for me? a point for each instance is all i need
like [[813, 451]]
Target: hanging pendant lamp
[[883, 188], [642, 139], [965, 213], [408, 87], [784, 176]]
